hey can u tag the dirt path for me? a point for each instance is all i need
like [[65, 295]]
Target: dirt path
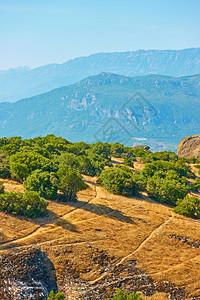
[[39, 230], [129, 256], [124, 229]]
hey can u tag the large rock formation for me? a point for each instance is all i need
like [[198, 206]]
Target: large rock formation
[[26, 275], [189, 147], [143, 147]]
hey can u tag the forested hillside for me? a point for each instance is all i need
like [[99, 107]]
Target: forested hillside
[[25, 82], [165, 110]]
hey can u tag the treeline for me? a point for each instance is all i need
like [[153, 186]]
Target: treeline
[[50, 168]]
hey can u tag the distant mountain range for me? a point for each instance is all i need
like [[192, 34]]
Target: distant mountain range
[[154, 110], [25, 82]]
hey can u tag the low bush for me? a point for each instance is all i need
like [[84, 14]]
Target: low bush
[[195, 186], [180, 168], [119, 180], [56, 296], [29, 205], [189, 207], [166, 190], [43, 182], [1, 187], [122, 295], [69, 182], [4, 170], [128, 162]]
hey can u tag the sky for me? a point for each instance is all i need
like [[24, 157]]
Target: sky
[[39, 32]]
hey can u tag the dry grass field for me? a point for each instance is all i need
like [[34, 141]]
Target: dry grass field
[[104, 241]]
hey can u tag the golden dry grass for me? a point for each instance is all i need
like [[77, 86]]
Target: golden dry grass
[[123, 228]]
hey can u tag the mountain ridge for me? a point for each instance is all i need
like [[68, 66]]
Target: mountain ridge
[[163, 110], [16, 84]]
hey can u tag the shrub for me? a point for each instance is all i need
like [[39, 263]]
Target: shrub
[[34, 206], [69, 159], [56, 296], [11, 202], [29, 205], [19, 171], [102, 149], [1, 187], [119, 180], [4, 171], [122, 295], [42, 182], [128, 162], [70, 182], [195, 186], [23, 163], [167, 187], [189, 207], [180, 168], [98, 162], [86, 166], [116, 149]]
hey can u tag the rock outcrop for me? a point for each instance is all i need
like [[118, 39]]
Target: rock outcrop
[[144, 147], [26, 274], [189, 147]]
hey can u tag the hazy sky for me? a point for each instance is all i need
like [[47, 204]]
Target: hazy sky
[[38, 32]]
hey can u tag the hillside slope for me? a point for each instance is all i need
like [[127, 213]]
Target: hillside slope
[[99, 108], [104, 241], [24, 82]]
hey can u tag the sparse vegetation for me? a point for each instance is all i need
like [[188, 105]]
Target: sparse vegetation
[[122, 295]]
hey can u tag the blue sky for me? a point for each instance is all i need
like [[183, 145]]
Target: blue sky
[[38, 32]]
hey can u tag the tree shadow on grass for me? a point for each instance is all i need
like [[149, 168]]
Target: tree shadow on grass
[[103, 210]]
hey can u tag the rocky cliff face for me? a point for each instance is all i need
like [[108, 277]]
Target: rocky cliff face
[[25, 275], [189, 147]]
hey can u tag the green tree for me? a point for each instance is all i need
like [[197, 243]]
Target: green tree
[[56, 296], [122, 295], [100, 148], [118, 180], [70, 182], [19, 171], [28, 205], [1, 187], [189, 207], [195, 186], [31, 161], [69, 159], [116, 149], [167, 189], [43, 182], [34, 206], [128, 162], [4, 165], [86, 166]]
